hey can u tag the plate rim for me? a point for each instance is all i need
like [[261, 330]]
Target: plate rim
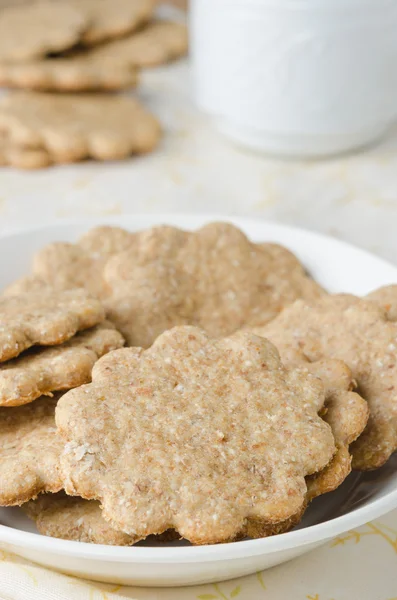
[[318, 533]]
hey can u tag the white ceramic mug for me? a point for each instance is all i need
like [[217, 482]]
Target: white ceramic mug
[[297, 77]]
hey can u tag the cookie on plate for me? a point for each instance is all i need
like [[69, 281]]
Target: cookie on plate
[[42, 371], [29, 452], [47, 318], [358, 332], [73, 518], [212, 438]]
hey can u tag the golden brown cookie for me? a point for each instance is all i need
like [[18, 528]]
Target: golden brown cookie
[[74, 127], [111, 66], [358, 332], [386, 298], [17, 156], [46, 318], [73, 518], [161, 277], [112, 18], [45, 370], [64, 266], [38, 28], [214, 278], [212, 438], [29, 452]]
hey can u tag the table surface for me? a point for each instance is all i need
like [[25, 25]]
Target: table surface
[[196, 170]]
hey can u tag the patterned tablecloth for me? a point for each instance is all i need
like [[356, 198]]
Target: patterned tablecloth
[[360, 565]]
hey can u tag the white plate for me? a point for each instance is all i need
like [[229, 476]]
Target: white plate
[[339, 267]]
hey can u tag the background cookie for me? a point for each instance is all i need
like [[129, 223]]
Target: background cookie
[[110, 66], [38, 28], [72, 128], [112, 18]]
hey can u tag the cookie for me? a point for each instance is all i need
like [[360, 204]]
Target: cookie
[[212, 438], [68, 518], [22, 158], [112, 66], [47, 318], [29, 452], [155, 279], [112, 18], [36, 29], [72, 518], [74, 127], [386, 298], [45, 370], [65, 266], [358, 332], [214, 278], [346, 413]]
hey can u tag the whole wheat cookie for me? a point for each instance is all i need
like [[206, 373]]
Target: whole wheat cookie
[[112, 18], [64, 266], [46, 318], [358, 332], [73, 518], [214, 278], [29, 452], [46, 370], [17, 156], [155, 279], [38, 28], [212, 438], [112, 66], [74, 127], [346, 413], [386, 298]]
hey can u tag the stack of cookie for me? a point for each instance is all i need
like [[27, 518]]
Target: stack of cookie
[[71, 46], [245, 390]]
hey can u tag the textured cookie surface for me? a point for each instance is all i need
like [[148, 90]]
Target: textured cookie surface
[[112, 18], [346, 413], [386, 298], [212, 438], [73, 518], [47, 318], [111, 66], [65, 266], [45, 370], [358, 332], [155, 279], [214, 278], [35, 29], [74, 127], [29, 452]]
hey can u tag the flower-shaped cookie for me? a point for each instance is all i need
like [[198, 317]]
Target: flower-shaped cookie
[[152, 280], [214, 278], [213, 438], [358, 332], [29, 452]]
